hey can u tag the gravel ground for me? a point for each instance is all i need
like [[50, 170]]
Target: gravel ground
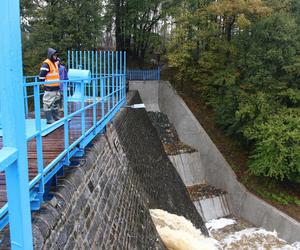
[[168, 135], [203, 191]]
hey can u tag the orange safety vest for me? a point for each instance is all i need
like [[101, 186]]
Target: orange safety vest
[[53, 74]]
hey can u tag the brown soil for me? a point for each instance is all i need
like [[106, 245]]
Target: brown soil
[[237, 157]]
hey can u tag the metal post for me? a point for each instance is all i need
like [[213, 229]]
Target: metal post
[[13, 125], [96, 70], [124, 81], [89, 59], [121, 73], [73, 64], [69, 58], [108, 83], [104, 71], [84, 59], [93, 71], [94, 102], [82, 106], [39, 142], [113, 79], [102, 96], [117, 78], [76, 61], [26, 100], [66, 124], [100, 66]]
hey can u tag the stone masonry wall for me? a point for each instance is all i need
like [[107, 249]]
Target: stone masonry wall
[[145, 153], [103, 202], [97, 205]]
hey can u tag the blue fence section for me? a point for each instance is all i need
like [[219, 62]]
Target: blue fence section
[[89, 103], [143, 75]]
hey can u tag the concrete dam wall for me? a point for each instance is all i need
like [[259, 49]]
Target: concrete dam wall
[[211, 165], [103, 200]]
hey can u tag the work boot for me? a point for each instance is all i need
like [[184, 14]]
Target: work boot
[[49, 117], [55, 114]]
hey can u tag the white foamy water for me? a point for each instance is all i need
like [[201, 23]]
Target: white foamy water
[[219, 223], [248, 238], [178, 233]]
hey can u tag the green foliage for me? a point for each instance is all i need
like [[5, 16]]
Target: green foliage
[[277, 146], [243, 57], [61, 25], [281, 198]]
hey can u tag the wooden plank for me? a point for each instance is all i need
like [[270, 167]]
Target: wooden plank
[[53, 143]]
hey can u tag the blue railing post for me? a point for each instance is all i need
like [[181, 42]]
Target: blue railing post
[[88, 63], [73, 58], [25, 100], [84, 60], [94, 82], [108, 83], [66, 122], [121, 72], [117, 77], [102, 96], [104, 71], [113, 78], [69, 59], [76, 60], [39, 142], [13, 125], [124, 79], [96, 70], [82, 106]]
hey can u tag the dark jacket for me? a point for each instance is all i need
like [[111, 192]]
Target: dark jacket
[[45, 69], [63, 74]]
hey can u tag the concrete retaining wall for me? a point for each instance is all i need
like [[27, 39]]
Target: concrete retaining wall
[[217, 171], [187, 166]]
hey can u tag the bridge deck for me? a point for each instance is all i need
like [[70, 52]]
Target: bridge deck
[[53, 143]]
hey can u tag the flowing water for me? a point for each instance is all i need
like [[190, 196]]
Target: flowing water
[[225, 233]]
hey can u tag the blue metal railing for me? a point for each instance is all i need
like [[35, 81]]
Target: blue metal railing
[[13, 154], [143, 75], [102, 96]]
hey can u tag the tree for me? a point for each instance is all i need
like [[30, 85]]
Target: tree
[[243, 59], [63, 25]]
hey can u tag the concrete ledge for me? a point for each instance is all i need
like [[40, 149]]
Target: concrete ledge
[[217, 171], [187, 166], [149, 94]]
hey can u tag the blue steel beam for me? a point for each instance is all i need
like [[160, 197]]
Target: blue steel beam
[[8, 156], [13, 125]]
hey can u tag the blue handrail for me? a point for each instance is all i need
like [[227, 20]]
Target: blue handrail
[[143, 75], [104, 92]]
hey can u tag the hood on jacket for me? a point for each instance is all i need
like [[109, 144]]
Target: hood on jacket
[[51, 52]]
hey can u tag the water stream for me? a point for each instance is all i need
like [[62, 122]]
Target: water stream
[[225, 233]]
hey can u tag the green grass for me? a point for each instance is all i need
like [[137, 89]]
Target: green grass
[[281, 198]]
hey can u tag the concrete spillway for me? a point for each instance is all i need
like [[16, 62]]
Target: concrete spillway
[[208, 165]]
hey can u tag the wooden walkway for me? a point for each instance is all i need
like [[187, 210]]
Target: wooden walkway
[[53, 143]]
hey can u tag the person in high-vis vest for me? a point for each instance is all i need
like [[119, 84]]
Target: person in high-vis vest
[[49, 72]]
